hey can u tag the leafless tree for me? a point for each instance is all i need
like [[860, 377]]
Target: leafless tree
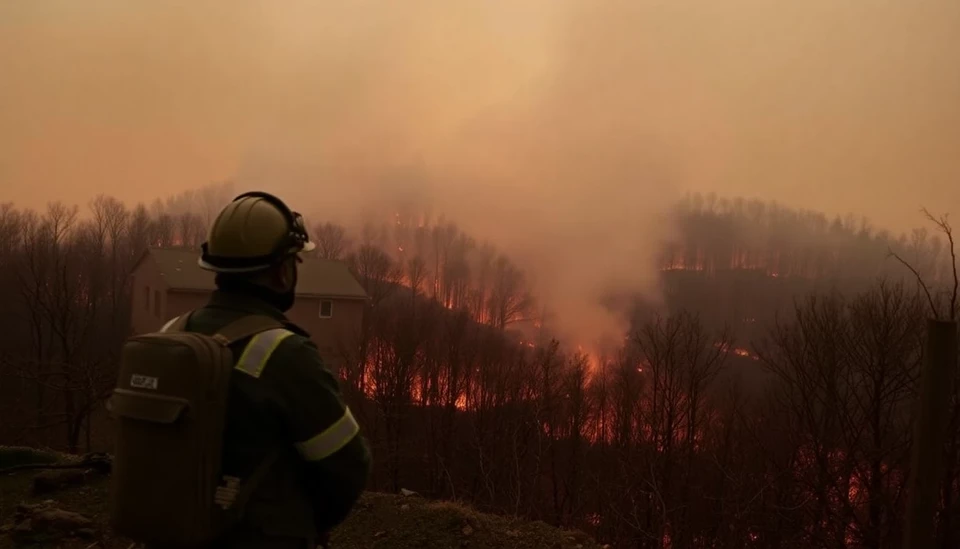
[[509, 297], [331, 241]]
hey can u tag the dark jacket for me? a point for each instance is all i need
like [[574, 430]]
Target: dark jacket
[[290, 402]]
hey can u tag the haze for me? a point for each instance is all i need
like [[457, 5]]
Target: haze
[[560, 130]]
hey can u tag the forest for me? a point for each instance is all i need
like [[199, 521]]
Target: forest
[[767, 402]]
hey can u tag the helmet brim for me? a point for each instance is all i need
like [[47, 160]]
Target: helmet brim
[[214, 268], [207, 266]]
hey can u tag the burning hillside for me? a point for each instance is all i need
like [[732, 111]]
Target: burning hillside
[[457, 403]]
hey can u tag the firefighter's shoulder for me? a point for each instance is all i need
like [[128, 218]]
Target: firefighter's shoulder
[[307, 396], [287, 344]]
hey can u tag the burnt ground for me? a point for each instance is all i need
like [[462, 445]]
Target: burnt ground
[[379, 521]]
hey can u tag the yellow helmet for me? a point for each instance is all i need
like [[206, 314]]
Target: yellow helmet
[[253, 232]]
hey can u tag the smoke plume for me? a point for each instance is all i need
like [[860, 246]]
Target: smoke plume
[[548, 138]]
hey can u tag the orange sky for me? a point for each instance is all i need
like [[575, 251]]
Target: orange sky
[[560, 121], [841, 106]]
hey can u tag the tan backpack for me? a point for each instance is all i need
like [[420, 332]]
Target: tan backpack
[[170, 405]]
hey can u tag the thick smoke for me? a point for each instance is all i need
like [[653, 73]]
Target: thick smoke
[[549, 138], [561, 130]]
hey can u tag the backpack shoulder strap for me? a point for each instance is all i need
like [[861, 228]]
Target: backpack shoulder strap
[[176, 324], [245, 327], [241, 328], [231, 333]]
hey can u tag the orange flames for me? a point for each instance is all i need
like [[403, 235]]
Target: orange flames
[[770, 263], [738, 351]]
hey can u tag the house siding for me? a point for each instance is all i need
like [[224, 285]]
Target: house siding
[[336, 337], [147, 281]]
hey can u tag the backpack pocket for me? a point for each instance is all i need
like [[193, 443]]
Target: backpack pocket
[[146, 407]]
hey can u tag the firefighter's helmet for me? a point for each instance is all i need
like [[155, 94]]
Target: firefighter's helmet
[[253, 232]]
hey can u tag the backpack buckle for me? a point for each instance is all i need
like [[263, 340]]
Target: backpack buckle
[[226, 495]]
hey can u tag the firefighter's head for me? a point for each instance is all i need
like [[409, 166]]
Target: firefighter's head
[[254, 243]]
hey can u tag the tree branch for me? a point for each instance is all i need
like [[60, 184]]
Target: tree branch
[[923, 285], [944, 226]]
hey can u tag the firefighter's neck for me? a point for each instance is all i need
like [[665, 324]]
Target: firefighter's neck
[[273, 286]]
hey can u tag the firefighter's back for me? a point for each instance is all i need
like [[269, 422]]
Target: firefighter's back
[[279, 512], [279, 451]]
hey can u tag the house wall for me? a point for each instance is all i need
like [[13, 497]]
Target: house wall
[[336, 335], [149, 301], [180, 302]]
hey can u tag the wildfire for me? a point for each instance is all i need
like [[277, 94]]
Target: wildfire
[[745, 353], [739, 351], [681, 264], [680, 259]]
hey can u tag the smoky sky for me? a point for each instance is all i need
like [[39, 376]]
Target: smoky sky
[[560, 130]]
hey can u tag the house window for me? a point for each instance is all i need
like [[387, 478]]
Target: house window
[[146, 297], [156, 302], [326, 308]]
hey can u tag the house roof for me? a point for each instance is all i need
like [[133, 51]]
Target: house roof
[[317, 277]]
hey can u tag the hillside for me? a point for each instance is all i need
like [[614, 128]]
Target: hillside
[[380, 520]]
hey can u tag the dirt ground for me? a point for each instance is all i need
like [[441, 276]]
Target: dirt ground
[[379, 521]]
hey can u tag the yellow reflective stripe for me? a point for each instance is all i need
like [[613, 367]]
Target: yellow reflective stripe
[[258, 351], [331, 439], [169, 323]]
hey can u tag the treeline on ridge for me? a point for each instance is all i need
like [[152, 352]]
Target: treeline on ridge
[[655, 445]]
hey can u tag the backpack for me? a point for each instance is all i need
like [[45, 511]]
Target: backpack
[[170, 407]]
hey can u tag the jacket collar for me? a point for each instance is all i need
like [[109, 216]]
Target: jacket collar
[[246, 303], [251, 304]]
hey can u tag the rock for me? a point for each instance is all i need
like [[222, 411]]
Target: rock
[[54, 480], [44, 522], [407, 493], [100, 462], [405, 507]]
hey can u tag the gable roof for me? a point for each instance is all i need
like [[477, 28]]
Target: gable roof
[[317, 277]]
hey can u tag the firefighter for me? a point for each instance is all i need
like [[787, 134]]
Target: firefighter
[[291, 401]]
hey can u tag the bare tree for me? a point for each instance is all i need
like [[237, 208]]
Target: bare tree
[[509, 299], [331, 241], [847, 371]]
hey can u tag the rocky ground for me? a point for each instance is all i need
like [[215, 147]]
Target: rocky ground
[[66, 508]]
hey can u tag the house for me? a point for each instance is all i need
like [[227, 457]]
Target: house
[[167, 282]]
